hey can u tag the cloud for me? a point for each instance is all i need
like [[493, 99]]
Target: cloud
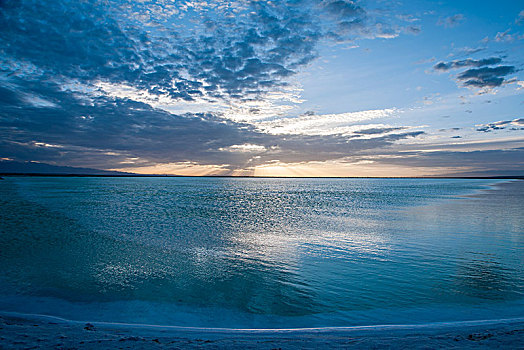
[[414, 29], [445, 66], [451, 21], [450, 129], [192, 50], [505, 36], [346, 20], [145, 82], [470, 50], [491, 162], [485, 77], [520, 18], [515, 124], [91, 41], [111, 132], [374, 131], [324, 124], [408, 18], [245, 148]]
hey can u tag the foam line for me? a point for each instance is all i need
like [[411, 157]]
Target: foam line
[[387, 327]]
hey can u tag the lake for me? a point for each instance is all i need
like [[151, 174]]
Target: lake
[[262, 252]]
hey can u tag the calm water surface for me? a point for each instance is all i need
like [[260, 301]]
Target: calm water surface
[[266, 253]]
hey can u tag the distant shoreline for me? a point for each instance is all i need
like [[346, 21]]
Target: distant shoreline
[[520, 177]]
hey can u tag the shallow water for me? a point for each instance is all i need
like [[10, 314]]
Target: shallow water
[[262, 253]]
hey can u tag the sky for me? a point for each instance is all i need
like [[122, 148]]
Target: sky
[[264, 88]]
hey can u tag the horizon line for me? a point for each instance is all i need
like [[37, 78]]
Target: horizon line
[[502, 177]]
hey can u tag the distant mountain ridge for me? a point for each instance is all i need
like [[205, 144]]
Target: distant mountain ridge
[[28, 168]]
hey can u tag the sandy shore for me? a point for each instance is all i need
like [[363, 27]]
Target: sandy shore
[[32, 331]]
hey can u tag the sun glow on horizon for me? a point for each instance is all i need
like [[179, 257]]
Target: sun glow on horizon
[[364, 168]]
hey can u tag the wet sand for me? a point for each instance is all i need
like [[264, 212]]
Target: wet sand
[[33, 331]]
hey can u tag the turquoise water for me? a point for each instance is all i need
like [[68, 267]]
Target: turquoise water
[[262, 253]]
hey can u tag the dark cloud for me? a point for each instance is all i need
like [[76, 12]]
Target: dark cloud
[[482, 76], [324, 148], [12, 167], [117, 133], [506, 161], [105, 132], [515, 124], [444, 66], [451, 21], [450, 129], [485, 77], [374, 131], [413, 29]]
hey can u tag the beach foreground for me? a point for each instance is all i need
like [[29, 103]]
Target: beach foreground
[[35, 331]]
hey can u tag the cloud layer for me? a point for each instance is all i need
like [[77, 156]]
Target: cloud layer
[[134, 84], [190, 50], [102, 84]]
